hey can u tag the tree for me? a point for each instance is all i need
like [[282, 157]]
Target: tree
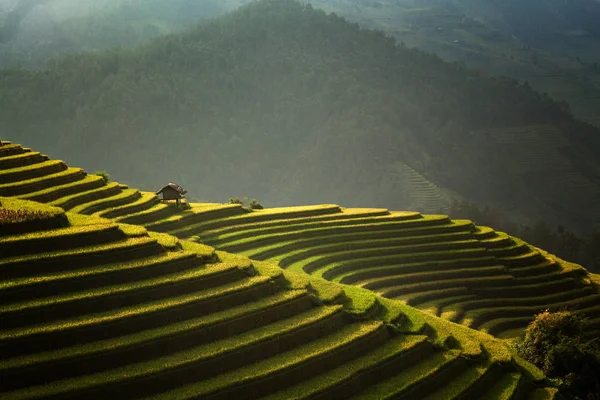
[[555, 343]]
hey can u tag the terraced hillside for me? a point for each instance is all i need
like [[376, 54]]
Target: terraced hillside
[[423, 195], [33, 176], [94, 309], [452, 268], [473, 275]]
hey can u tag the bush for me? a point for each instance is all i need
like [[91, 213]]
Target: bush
[[255, 205], [252, 205], [554, 342], [105, 176]]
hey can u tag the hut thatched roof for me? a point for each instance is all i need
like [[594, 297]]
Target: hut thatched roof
[[175, 186]]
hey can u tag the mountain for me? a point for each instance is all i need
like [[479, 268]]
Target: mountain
[[288, 104], [552, 45]]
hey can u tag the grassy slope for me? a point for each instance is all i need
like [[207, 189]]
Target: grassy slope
[[82, 315], [331, 338]]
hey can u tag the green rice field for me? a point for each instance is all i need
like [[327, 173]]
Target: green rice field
[[112, 293]]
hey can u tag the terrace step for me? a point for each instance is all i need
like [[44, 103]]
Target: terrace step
[[71, 201], [478, 303], [335, 269], [355, 241], [510, 385], [275, 226], [419, 255], [254, 220], [37, 184], [125, 197], [54, 193], [498, 242], [349, 275], [162, 357], [532, 257], [249, 239], [145, 202], [342, 382], [147, 216], [288, 368], [21, 160], [498, 325], [470, 384], [195, 216], [87, 328], [437, 307], [8, 150], [534, 290], [366, 248], [31, 265], [55, 220], [59, 240], [13, 175], [148, 344], [418, 380], [544, 267], [102, 299], [481, 316], [509, 251], [416, 299], [52, 284], [429, 277], [165, 373], [546, 278], [291, 226], [484, 233]]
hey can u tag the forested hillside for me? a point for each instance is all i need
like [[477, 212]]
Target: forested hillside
[[551, 44], [290, 105]]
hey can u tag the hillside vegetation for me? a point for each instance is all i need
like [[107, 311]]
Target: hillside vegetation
[[97, 308], [289, 104], [553, 45]]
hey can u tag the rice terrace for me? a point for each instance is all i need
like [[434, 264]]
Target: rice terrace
[[109, 292]]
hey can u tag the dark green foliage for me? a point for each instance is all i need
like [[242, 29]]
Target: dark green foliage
[[255, 205], [105, 175], [235, 200], [555, 343], [251, 204]]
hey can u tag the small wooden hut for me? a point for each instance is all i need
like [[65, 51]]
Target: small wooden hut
[[172, 192]]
